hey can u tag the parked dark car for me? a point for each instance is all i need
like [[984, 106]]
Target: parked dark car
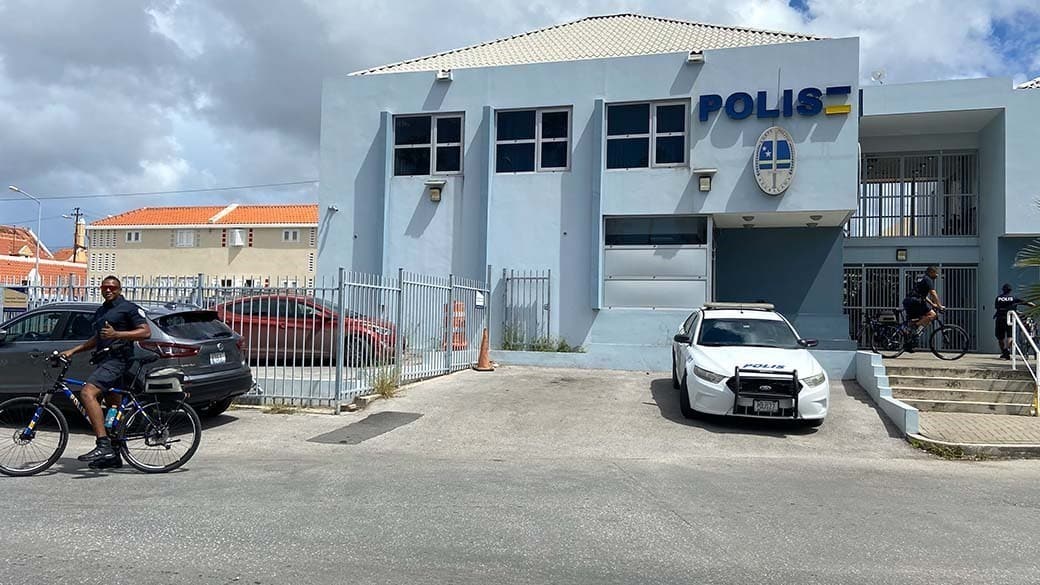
[[182, 335], [302, 329]]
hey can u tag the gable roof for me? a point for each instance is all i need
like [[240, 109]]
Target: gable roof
[[19, 241], [14, 269], [595, 37], [1034, 84], [234, 214]]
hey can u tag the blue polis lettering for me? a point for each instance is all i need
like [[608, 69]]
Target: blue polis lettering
[[741, 105]]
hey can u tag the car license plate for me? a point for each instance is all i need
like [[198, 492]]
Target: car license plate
[[217, 358], [767, 406]]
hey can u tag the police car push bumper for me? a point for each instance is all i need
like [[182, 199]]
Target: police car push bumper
[[758, 393]]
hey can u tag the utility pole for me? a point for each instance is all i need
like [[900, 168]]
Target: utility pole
[[76, 245]]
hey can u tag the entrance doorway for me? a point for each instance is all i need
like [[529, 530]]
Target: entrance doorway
[[870, 289]]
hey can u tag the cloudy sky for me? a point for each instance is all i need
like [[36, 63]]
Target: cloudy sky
[[100, 98]]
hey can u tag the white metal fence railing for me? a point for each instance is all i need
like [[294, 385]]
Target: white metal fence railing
[[527, 308], [322, 344], [1024, 346]]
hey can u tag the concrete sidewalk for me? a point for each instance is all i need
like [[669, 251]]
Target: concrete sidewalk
[[981, 434]]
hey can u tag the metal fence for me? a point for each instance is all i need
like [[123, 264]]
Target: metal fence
[[918, 195], [527, 309], [326, 343], [872, 289]]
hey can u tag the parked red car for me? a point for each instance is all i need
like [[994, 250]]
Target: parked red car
[[302, 328]]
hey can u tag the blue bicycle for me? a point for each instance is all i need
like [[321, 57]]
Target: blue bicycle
[[154, 429]]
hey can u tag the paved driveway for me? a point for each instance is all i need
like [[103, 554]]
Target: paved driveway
[[530, 476]]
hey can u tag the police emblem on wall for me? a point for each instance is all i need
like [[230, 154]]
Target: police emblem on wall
[[774, 160]]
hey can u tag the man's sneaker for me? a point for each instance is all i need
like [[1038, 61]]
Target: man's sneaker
[[103, 451], [1005, 356], [114, 463]]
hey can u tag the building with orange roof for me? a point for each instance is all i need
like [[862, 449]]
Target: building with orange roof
[[232, 245], [19, 241]]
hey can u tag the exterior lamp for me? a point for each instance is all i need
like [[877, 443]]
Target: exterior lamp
[[39, 213], [901, 255], [704, 178], [695, 57], [435, 186]]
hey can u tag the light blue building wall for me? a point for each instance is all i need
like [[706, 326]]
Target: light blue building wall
[[789, 249]]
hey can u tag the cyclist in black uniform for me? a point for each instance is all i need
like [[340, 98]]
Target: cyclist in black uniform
[[921, 303], [117, 319], [1005, 302]]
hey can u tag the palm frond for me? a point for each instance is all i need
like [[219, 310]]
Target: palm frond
[[1028, 256]]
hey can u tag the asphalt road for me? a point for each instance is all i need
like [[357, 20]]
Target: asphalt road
[[530, 476]]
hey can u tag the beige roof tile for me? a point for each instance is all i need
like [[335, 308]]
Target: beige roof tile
[[595, 37], [1034, 84]]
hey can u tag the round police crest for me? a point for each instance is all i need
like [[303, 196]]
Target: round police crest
[[774, 160]]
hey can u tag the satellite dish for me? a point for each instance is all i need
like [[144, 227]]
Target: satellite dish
[[878, 76]]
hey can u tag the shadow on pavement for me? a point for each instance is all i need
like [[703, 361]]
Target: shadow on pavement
[[667, 400]]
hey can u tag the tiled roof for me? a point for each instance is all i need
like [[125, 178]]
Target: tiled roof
[[595, 37], [1034, 84], [66, 254], [14, 270], [215, 215], [19, 241]]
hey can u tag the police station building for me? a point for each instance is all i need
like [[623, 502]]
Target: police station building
[[641, 166]]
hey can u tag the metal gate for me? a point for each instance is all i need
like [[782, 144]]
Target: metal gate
[[527, 308], [870, 289]]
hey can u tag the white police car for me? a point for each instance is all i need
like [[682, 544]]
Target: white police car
[[741, 359]]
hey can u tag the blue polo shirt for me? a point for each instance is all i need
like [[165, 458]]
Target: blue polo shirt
[[123, 316]]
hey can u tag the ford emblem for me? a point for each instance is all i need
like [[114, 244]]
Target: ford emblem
[[220, 346], [765, 388]]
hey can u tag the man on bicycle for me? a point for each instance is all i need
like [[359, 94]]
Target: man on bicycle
[[1005, 302], [117, 319], [921, 303]]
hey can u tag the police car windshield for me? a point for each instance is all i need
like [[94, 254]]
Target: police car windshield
[[747, 333]]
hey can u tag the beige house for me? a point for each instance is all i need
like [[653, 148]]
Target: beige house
[[233, 245]]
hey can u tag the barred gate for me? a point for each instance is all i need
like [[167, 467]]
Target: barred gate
[[527, 309], [871, 289], [394, 329]]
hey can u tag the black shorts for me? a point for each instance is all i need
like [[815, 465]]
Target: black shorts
[[916, 308], [1001, 329], [109, 374]]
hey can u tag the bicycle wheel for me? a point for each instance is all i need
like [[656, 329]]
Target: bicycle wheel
[[949, 342], [25, 452], [161, 436], [887, 340]]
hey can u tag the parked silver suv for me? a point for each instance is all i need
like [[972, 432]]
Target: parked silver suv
[[193, 339]]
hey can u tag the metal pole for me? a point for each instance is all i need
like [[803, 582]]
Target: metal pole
[[487, 302], [340, 341], [450, 322], [399, 334], [200, 292]]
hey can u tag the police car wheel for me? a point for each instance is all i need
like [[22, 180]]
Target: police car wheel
[[684, 401], [675, 378]]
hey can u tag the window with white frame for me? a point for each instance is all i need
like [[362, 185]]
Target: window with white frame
[[532, 140], [649, 134], [290, 235], [428, 145], [184, 238], [133, 237]]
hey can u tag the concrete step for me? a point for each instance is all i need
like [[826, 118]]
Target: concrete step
[[961, 395], [966, 383], [969, 407], [920, 371]]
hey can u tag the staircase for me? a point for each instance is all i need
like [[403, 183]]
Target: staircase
[[979, 386]]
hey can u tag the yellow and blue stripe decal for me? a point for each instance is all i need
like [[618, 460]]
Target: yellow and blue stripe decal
[[838, 90]]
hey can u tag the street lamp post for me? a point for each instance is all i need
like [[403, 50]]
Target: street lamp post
[[39, 217]]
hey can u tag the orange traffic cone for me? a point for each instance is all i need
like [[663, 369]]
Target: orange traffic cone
[[484, 361]]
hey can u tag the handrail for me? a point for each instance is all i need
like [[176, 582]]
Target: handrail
[[1016, 325]]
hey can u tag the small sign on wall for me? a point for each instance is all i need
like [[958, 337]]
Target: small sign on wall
[[480, 300]]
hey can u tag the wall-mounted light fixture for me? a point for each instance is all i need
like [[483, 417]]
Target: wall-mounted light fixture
[[811, 224], [901, 255], [704, 178], [749, 225], [748, 217], [695, 57], [816, 217], [444, 75], [435, 186]]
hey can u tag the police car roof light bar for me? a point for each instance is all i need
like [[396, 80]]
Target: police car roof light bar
[[741, 306]]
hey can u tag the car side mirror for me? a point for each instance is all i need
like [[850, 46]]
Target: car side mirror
[[808, 342], [680, 338]]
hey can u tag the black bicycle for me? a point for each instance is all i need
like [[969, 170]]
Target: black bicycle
[[154, 429], [890, 336]]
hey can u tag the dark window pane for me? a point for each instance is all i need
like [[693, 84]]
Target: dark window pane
[[412, 161], [671, 118], [449, 159], [514, 158], [516, 125], [412, 130], [449, 130], [554, 155], [628, 119], [633, 231], [670, 149], [628, 153], [554, 125]]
